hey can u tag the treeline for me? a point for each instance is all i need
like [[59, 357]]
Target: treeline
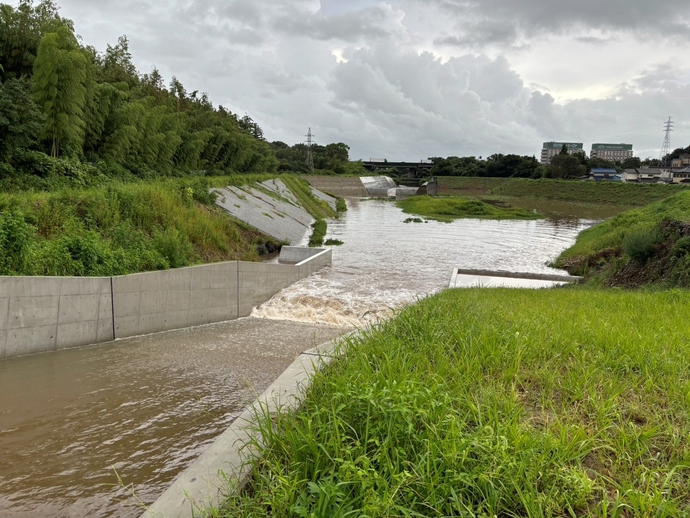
[[66, 109], [562, 166], [329, 159], [497, 165]]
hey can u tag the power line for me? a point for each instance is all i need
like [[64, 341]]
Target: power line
[[310, 153], [666, 148]]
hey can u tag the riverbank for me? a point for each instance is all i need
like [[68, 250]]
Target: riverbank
[[602, 193], [123, 228], [492, 402], [641, 247]]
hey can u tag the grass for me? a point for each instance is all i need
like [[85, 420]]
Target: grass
[[610, 235], [614, 193], [449, 209], [492, 402], [118, 229]]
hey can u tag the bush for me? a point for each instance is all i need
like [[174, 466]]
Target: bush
[[640, 245], [15, 237]]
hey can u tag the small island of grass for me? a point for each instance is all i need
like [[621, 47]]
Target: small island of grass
[[449, 209]]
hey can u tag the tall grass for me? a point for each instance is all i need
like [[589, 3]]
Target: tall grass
[[492, 402], [118, 229]]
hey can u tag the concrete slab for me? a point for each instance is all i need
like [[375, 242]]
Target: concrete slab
[[4, 312], [3, 343], [224, 465], [75, 334], [78, 308]]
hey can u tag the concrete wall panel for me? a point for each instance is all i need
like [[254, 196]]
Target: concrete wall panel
[[77, 333], [4, 312], [42, 314], [30, 340]]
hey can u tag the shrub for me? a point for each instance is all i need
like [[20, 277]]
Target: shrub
[[15, 237], [640, 245]]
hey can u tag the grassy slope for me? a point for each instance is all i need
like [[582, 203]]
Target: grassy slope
[[448, 209], [614, 193], [118, 229], [600, 247], [494, 403]]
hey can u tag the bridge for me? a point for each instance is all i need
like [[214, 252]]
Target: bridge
[[411, 169]]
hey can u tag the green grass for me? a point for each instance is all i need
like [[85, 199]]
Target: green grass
[[449, 209], [610, 234], [614, 193], [492, 402], [118, 229]]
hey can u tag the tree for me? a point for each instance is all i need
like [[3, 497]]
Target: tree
[[59, 89], [20, 119], [631, 162], [21, 30], [565, 167], [564, 150]]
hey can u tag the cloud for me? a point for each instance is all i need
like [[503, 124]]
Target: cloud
[[420, 78]]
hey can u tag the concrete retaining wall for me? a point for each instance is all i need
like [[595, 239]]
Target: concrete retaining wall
[[339, 186], [297, 254], [39, 314]]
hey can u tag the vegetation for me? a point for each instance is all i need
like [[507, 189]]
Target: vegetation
[[614, 193], [448, 209], [330, 159], [333, 242], [638, 247], [492, 402], [73, 117], [119, 229], [320, 227]]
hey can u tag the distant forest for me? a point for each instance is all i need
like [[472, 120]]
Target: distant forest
[[67, 110]]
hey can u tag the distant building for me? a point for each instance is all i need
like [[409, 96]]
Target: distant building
[[551, 149], [646, 175], [681, 162], [601, 173], [612, 152]]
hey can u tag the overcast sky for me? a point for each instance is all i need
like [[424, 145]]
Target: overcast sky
[[412, 79]]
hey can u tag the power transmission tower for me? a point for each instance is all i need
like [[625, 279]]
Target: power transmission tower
[[666, 148], [310, 154]]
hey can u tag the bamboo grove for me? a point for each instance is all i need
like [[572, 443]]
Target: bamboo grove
[[66, 107]]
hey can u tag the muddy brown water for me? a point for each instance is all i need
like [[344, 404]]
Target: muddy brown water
[[100, 431]]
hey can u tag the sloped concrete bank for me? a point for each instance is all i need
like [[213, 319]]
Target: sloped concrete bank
[[39, 314], [271, 208]]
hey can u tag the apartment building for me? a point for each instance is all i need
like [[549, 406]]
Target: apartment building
[[612, 152], [551, 149]]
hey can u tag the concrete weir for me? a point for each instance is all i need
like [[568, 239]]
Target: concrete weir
[[463, 278]]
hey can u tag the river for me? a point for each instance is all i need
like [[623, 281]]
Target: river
[[99, 431]]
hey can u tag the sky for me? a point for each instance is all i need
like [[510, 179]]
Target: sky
[[414, 79]]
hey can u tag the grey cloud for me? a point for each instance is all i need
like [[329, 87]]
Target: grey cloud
[[509, 21], [371, 22]]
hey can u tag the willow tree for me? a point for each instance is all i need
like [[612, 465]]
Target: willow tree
[[59, 88]]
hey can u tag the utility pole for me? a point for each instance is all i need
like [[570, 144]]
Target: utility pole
[[310, 153], [666, 148]]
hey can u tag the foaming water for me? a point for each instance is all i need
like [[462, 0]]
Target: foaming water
[[386, 263]]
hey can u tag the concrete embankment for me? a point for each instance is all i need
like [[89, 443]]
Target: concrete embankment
[[271, 208], [39, 314]]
